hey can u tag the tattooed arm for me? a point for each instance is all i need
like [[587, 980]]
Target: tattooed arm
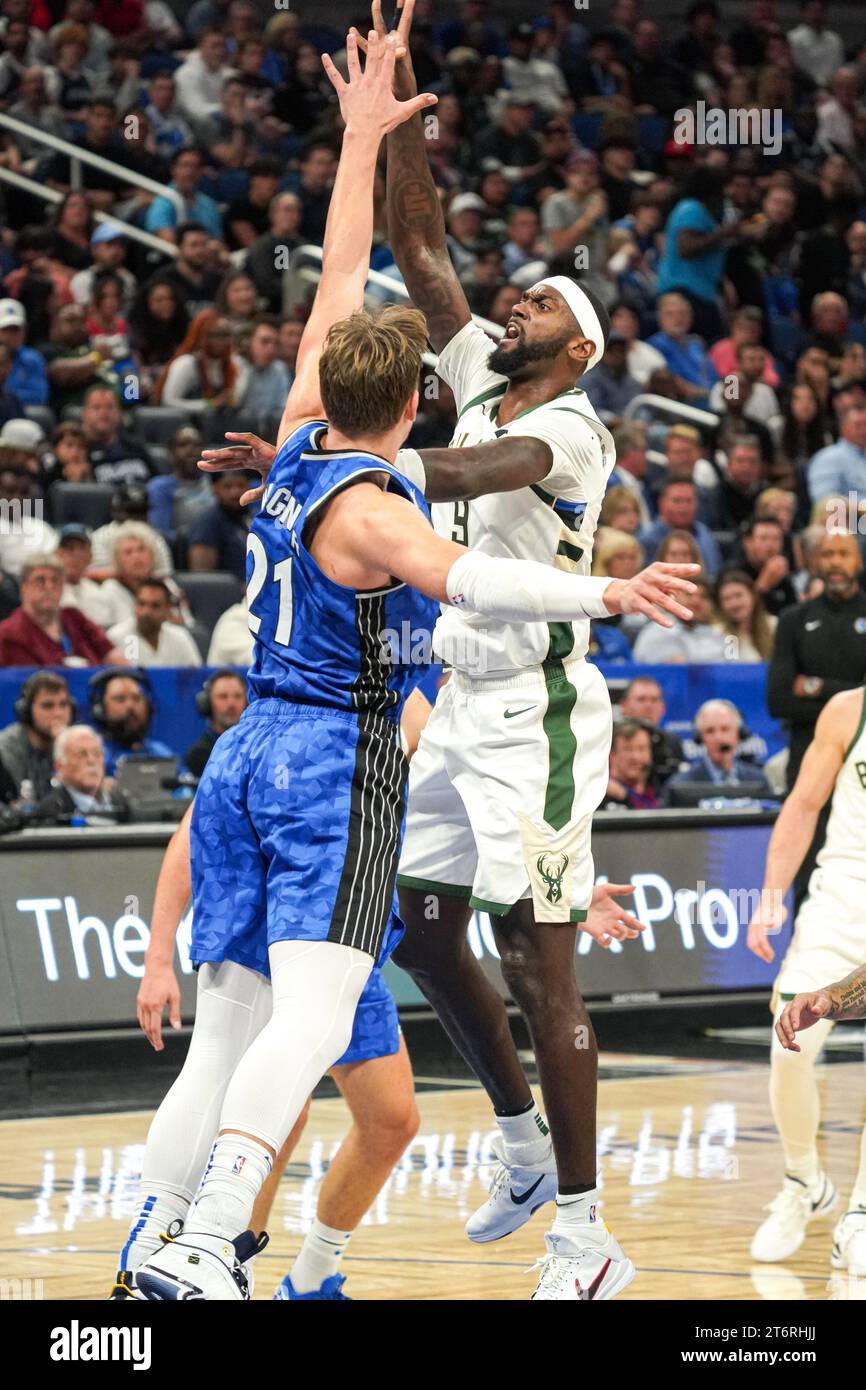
[[849, 996], [843, 1002]]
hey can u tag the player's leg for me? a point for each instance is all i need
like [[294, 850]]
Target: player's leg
[[849, 1238], [265, 1200]]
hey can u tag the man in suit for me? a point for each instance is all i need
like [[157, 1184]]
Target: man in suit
[[80, 788], [718, 728]]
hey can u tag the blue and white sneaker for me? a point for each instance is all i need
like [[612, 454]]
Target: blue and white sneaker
[[515, 1195], [330, 1289]]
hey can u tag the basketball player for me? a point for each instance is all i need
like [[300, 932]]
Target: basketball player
[[829, 940], [374, 1076], [297, 822]]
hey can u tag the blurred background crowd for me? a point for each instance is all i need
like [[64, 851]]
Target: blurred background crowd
[[734, 273]]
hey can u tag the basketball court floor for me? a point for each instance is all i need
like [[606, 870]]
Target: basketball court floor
[[687, 1154]]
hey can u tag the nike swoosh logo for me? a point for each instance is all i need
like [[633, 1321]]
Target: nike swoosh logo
[[810, 627], [519, 1201], [512, 713]]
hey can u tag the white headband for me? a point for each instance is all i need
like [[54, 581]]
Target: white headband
[[581, 306]]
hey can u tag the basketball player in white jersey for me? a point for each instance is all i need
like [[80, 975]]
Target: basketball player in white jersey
[[829, 942]]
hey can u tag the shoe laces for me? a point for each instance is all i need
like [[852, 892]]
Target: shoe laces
[[789, 1202], [555, 1275]]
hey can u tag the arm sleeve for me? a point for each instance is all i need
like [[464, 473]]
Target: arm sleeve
[[523, 591], [463, 365]]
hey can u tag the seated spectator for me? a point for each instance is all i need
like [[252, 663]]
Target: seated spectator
[[223, 700], [75, 554], [643, 701], [44, 633], [248, 218], [718, 726], [531, 75], [852, 366], [66, 460], [620, 511], [684, 353], [121, 707], [11, 405], [465, 219], [171, 130], [229, 134], [743, 617], [164, 220], [9, 595], [115, 455], [578, 216], [177, 498], [616, 554], [26, 533], [523, 244], [678, 510], [108, 247], [72, 88], [317, 168], [306, 96], [101, 190], [106, 327], [840, 468], [200, 80], [511, 140], [739, 485], [268, 386], [72, 364], [35, 108], [237, 301], [149, 637], [629, 786], [266, 260], [22, 446], [72, 231], [837, 130], [218, 537], [26, 378], [43, 708], [684, 449], [761, 403], [79, 786], [609, 387], [134, 560], [194, 280], [694, 642], [129, 503], [829, 318], [630, 469], [804, 432], [618, 163], [158, 324], [761, 553], [232, 641], [642, 360], [746, 327], [204, 378]]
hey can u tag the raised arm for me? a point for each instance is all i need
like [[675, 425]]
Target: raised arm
[[369, 109]]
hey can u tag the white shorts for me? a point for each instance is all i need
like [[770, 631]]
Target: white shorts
[[829, 938], [503, 788]]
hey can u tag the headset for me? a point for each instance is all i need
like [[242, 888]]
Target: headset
[[729, 705], [203, 696], [96, 690], [28, 692]]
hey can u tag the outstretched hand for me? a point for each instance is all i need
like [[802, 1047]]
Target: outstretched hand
[[606, 919], [249, 453], [367, 101], [405, 85], [659, 587]]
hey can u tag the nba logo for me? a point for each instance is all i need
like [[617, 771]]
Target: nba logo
[[238, 1163], [593, 1212]]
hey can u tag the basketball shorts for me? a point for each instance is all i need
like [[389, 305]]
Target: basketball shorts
[[829, 938], [376, 1030], [295, 834], [503, 788]]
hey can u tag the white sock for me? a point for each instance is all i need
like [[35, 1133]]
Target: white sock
[[796, 1103], [224, 1205], [526, 1136], [858, 1195], [158, 1205], [319, 1257], [575, 1212]]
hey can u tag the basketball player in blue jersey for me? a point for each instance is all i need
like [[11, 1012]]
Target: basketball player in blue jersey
[[298, 819]]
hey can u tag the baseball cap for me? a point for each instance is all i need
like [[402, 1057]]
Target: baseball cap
[[21, 434], [73, 531], [107, 231], [12, 314], [467, 202]]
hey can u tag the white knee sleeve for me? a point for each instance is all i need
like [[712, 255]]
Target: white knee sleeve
[[316, 988]]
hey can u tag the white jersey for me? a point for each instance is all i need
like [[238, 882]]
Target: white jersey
[[844, 848], [552, 523]]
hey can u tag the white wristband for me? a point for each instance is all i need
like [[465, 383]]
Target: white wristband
[[410, 463]]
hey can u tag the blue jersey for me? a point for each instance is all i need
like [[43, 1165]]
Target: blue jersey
[[318, 642]]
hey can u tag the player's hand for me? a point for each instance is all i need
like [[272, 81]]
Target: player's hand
[[249, 453], [367, 102], [607, 920], [768, 919], [158, 990], [655, 588], [405, 85], [800, 1013]]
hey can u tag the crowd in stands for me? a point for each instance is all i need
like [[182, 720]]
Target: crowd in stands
[[734, 381]]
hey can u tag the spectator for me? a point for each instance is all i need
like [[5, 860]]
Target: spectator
[[718, 729], [238, 302], [222, 700], [642, 359], [229, 134], [620, 510], [617, 554], [579, 215], [678, 509], [840, 468], [106, 326], [35, 108], [837, 116], [108, 247], [73, 89], [610, 388], [177, 498], [248, 218], [745, 332], [121, 707], [465, 218], [629, 786], [815, 48], [643, 701], [690, 642], [171, 130], [134, 559], [739, 485], [317, 167], [683, 460], [630, 469], [804, 433], [200, 80], [304, 99], [79, 787], [164, 220], [27, 378], [75, 554], [218, 537], [267, 259], [205, 378], [11, 405], [115, 455], [149, 637], [100, 189], [523, 244], [852, 366], [232, 641], [829, 325], [743, 617], [269, 381], [761, 553], [72, 365], [43, 708], [158, 324], [194, 282], [684, 353], [25, 533], [696, 241], [44, 633]]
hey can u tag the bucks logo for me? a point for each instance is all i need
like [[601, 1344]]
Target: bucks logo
[[552, 867]]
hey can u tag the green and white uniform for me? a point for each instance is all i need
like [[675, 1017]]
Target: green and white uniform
[[514, 759], [829, 938]]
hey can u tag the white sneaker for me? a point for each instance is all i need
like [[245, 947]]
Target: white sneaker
[[582, 1272], [515, 1195], [849, 1243], [197, 1267], [791, 1210]]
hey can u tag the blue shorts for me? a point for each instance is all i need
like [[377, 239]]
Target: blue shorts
[[376, 1032], [295, 834]]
